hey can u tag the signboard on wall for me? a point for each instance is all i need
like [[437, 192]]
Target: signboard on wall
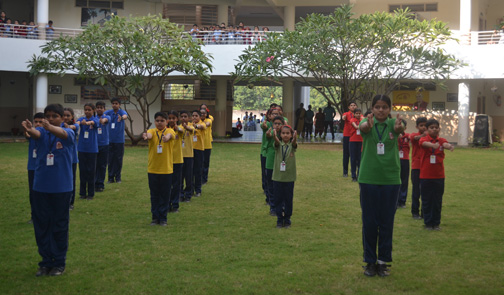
[[410, 99]]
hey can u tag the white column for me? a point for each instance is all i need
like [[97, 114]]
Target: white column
[[41, 93], [42, 17], [221, 117], [463, 114], [305, 96], [289, 17], [465, 15], [222, 14]]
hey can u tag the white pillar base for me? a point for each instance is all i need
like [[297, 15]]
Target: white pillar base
[[463, 114], [41, 93]]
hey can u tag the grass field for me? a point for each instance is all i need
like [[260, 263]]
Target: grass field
[[226, 243]]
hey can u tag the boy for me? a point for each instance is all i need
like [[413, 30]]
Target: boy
[[355, 144], [52, 189], [116, 140], [207, 144], [32, 157], [416, 156], [188, 154], [160, 167], [347, 132], [103, 146], [432, 177], [404, 149], [199, 150]]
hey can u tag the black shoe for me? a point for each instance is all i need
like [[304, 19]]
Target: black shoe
[[163, 223], [272, 212], [82, 197], [42, 271], [90, 198], [279, 225], [370, 270], [99, 189], [287, 223], [71, 207], [354, 179], [345, 174], [30, 221], [118, 181], [154, 222], [174, 211], [187, 200], [382, 270], [417, 217], [57, 271], [197, 195], [110, 181], [428, 227], [402, 206], [436, 227]]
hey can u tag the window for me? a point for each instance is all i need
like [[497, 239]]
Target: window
[[118, 4], [414, 7]]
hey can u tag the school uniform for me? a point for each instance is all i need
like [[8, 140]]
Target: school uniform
[[52, 188], [178, 163], [187, 168], [208, 150], [404, 150], [432, 180], [416, 156], [75, 161], [284, 176], [160, 170], [264, 142], [199, 151], [32, 159], [88, 151], [379, 181], [270, 163], [116, 144], [355, 147], [347, 132], [102, 132]]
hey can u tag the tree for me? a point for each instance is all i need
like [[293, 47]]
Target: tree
[[346, 58], [134, 55], [256, 98]]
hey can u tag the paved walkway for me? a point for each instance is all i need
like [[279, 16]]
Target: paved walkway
[[256, 137]]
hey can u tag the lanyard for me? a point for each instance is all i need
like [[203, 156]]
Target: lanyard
[[284, 154], [51, 142], [434, 140], [378, 133], [160, 137]]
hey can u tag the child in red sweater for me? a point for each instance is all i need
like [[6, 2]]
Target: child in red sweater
[[416, 155], [404, 150]]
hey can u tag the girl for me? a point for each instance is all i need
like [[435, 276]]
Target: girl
[[284, 174], [379, 181], [355, 144], [178, 162], [205, 118], [188, 153], [88, 150], [264, 142], [199, 150], [69, 122], [275, 123]]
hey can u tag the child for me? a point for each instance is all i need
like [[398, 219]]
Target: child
[[178, 162], [275, 123], [116, 141], [160, 167], [103, 146], [284, 174], [264, 141], [379, 179], [347, 132], [88, 151], [199, 150], [416, 156], [52, 188], [207, 144], [404, 150], [69, 122], [32, 158], [188, 154], [432, 176], [355, 143]]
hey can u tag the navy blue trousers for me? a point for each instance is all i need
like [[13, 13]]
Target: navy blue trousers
[[101, 166], [355, 156], [50, 222], [160, 189], [31, 175], [206, 165], [403, 191], [346, 153], [378, 204], [176, 186], [87, 172], [432, 200], [187, 177], [74, 171], [263, 176], [198, 170], [270, 189], [284, 195], [415, 191], [115, 161]]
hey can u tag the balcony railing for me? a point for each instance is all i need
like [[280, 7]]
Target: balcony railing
[[35, 32]]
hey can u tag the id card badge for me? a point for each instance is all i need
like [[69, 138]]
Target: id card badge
[[50, 160], [99, 131], [34, 153], [433, 159], [401, 154], [380, 148], [358, 131], [183, 144], [195, 138], [112, 125], [159, 149], [86, 134], [282, 166]]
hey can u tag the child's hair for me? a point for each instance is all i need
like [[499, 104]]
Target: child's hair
[[55, 108], [405, 123], [367, 113], [92, 106], [100, 103], [184, 112], [357, 110], [352, 101], [287, 126], [115, 99], [39, 115], [71, 112], [173, 112], [278, 118], [161, 114], [206, 108], [381, 97], [431, 122], [196, 111], [421, 120], [273, 105], [279, 107]]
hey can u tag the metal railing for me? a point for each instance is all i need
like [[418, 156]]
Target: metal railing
[[35, 32], [480, 37]]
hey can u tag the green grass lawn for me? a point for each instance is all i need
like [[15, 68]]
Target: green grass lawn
[[226, 243]]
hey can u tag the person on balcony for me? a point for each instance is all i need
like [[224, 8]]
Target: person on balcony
[[50, 30]]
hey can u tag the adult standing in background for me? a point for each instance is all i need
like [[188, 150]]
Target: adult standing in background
[[116, 142], [329, 114], [300, 116], [308, 128]]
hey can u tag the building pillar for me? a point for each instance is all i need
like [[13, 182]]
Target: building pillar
[[288, 100], [221, 116], [289, 17], [222, 14], [465, 22], [305, 95], [463, 114], [41, 93], [42, 17]]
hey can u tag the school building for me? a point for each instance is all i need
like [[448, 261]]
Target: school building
[[474, 89]]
